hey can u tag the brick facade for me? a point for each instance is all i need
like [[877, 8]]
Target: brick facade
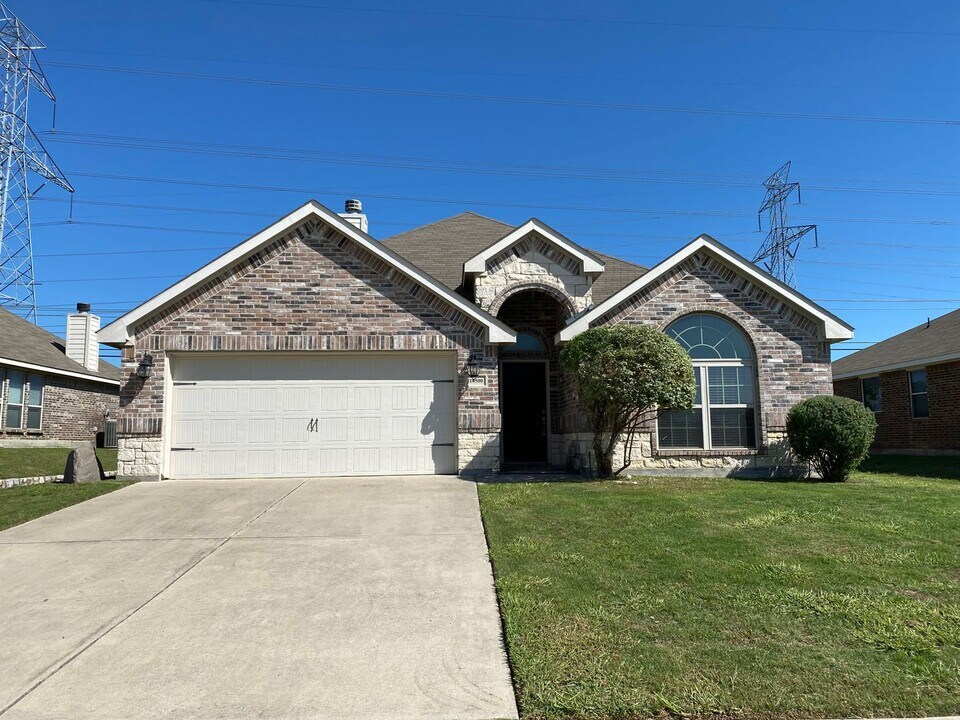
[[311, 290], [897, 429], [72, 411], [791, 362]]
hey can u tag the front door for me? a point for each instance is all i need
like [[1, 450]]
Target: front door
[[524, 388]]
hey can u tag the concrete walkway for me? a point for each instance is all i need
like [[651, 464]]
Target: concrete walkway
[[329, 598]]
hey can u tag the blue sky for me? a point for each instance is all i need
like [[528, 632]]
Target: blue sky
[[426, 109]]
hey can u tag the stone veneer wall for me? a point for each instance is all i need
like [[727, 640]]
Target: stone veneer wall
[[72, 409], [792, 364], [533, 263], [311, 290]]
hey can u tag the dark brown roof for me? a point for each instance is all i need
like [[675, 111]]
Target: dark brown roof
[[442, 248], [915, 346], [22, 341]]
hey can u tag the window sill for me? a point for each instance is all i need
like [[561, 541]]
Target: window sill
[[723, 452]]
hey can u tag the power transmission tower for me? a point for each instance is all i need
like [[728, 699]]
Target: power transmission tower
[[783, 241], [21, 154]]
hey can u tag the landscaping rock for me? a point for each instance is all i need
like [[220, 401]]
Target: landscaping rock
[[83, 465]]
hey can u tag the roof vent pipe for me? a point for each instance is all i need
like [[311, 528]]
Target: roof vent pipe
[[353, 214]]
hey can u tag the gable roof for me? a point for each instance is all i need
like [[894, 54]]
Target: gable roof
[[32, 348], [832, 328], [589, 263], [442, 247], [922, 345], [118, 332]]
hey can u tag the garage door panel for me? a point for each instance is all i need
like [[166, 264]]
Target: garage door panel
[[337, 414]]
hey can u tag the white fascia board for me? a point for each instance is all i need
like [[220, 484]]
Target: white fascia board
[[57, 371], [119, 331], [833, 329], [907, 364], [478, 263]]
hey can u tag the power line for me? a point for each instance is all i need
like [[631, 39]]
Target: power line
[[663, 177], [586, 20], [466, 202], [510, 99]]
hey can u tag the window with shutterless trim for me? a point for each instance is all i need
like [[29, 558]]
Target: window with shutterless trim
[[14, 416], [724, 411], [919, 400], [34, 402], [870, 391]]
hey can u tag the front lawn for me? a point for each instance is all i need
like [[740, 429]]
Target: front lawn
[[20, 504], [722, 597], [29, 462]]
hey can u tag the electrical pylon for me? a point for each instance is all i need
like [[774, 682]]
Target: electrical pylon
[[783, 241], [21, 154]]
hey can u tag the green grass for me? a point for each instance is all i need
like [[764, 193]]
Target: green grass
[[721, 597], [29, 462], [20, 504]]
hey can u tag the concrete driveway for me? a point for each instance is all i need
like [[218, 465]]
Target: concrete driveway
[[327, 598]]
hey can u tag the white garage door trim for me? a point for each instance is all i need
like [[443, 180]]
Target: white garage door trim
[[309, 414]]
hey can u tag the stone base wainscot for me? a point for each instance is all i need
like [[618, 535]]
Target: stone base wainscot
[[138, 458]]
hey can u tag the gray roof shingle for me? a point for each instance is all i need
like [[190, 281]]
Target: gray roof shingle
[[916, 345], [442, 248], [24, 342]]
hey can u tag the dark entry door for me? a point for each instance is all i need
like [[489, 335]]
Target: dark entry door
[[524, 388]]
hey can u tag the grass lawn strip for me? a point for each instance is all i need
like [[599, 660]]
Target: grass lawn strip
[[710, 597], [18, 462], [20, 504]]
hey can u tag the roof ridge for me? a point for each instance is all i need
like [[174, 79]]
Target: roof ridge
[[867, 351], [618, 259], [446, 219]]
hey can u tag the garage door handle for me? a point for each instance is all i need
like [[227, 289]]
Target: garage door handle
[[442, 445], [183, 383], [442, 381], [180, 449]]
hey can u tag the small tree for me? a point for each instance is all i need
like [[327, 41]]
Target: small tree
[[831, 433], [623, 374]]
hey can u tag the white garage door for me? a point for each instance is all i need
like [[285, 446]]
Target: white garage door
[[283, 415]]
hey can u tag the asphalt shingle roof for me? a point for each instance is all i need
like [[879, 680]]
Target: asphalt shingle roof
[[442, 248], [917, 345], [23, 341]]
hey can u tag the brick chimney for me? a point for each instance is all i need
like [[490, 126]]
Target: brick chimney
[[353, 214], [82, 345]]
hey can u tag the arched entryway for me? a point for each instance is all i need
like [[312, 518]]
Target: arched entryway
[[530, 380]]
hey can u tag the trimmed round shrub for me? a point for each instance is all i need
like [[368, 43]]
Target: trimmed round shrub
[[831, 433]]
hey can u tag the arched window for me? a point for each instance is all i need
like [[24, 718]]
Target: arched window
[[526, 342], [724, 416]]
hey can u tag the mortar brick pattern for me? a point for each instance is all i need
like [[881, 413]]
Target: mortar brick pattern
[[313, 289], [897, 429], [72, 409]]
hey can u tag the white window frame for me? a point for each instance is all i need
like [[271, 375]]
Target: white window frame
[[21, 404], [913, 413], [863, 393], [26, 402]]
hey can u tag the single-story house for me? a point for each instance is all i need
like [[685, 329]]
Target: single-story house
[[911, 382], [54, 392], [314, 349]]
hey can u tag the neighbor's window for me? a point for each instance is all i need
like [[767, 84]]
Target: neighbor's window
[[872, 400], [14, 399], [725, 415], [918, 393], [34, 402]]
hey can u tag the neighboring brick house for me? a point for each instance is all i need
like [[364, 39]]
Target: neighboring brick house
[[912, 384], [314, 349], [53, 392]]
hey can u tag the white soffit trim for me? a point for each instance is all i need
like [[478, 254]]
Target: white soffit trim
[[119, 331], [911, 364], [56, 371], [832, 328], [589, 263]]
